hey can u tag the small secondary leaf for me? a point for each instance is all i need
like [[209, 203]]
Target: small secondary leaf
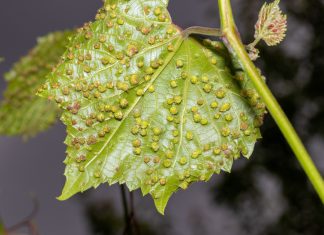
[[271, 25], [21, 111], [147, 107]]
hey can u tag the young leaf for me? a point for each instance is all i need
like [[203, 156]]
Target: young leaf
[[271, 25], [145, 106], [21, 111]]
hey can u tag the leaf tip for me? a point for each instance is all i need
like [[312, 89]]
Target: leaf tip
[[160, 208], [161, 202], [64, 196]]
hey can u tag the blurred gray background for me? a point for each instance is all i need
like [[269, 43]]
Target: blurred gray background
[[267, 195]]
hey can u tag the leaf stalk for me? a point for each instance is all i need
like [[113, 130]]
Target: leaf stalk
[[215, 32]]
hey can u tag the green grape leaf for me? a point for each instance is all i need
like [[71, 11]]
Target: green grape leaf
[[147, 107], [21, 111]]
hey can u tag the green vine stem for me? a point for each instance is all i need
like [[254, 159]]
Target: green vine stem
[[232, 40]]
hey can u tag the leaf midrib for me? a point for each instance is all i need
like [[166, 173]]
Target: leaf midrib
[[185, 99]]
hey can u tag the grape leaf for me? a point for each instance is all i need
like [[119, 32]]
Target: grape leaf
[[21, 111], [145, 106]]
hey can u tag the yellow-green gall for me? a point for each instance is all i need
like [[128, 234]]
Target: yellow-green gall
[[184, 75], [169, 154], [89, 122], [170, 118], [202, 178], [140, 64], [137, 143], [197, 118], [147, 78], [220, 93], [204, 79], [102, 88], [156, 138], [106, 129], [155, 64], [170, 101], [155, 146], [216, 151], [170, 30], [183, 185], [87, 69], [136, 113], [140, 92], [179, 63], [208, 88], [214, 105], [175, 133], [144, 124], [156, 159], [170, 48], [147, 159], [120, 21], [100, 117], [134, 79], [200, 102], [247, 132], [114, 108], [66, 91], [194, 109], [225, 131], [217, 115], [183, 161], [213, 60], [123, 103], [143, 132], [151, 89], [229, 117], [225, 107], [167, 163], [204, 121], [149, 71], [162, 181], [157, 11], [194, 79], [189, 135], [137, 151], [178, 99], [206, 147], [196, 154], [157, 131], [122, 86], [173, 110], [173, 83], [81, 168], [119, 115]]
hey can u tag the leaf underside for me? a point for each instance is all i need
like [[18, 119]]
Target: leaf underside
[[146, 107], [21, 111]]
